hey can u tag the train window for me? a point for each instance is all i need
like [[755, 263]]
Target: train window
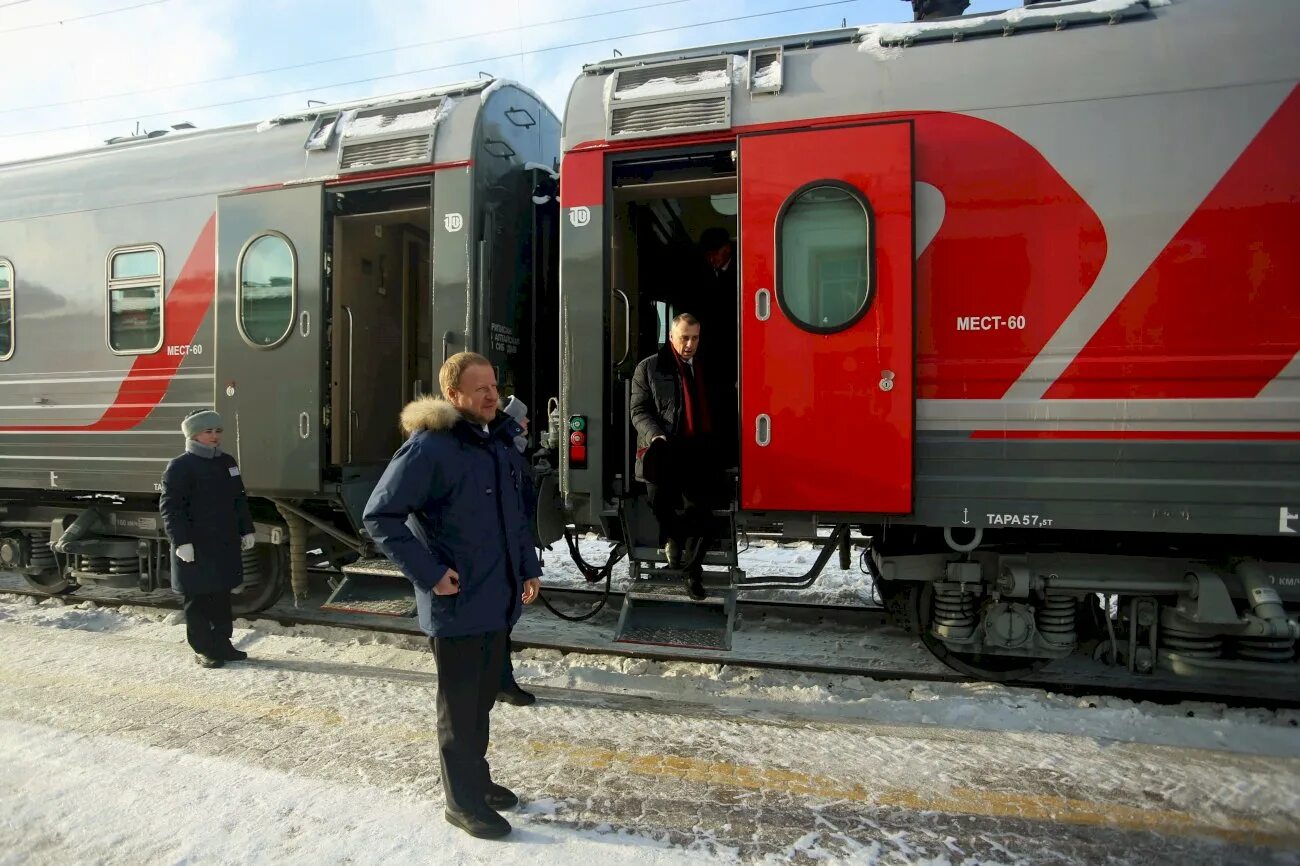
[[135, 300], [824, 248], [6, 310], [266, 290]]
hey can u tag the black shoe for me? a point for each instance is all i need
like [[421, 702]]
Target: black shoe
[[483, 825], [499, 797], [230, 654], [516, 696], [208, 661], [695, 586]]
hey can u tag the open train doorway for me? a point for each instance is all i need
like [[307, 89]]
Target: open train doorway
[[381, 351], [673, 230], [673, 251]]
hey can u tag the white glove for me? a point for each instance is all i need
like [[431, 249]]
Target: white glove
[[185, 553], [248, 541]]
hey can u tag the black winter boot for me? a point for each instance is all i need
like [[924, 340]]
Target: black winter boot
[[499, 797], [482, 825], [208, 661]]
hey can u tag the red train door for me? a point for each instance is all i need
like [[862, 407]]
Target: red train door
[[826, 319]]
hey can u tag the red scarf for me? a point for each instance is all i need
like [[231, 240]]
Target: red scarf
[[695, 404]]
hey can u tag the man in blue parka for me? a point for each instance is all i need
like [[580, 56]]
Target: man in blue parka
[[462, 479]]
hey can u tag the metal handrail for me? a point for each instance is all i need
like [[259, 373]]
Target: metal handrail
[[352, 328]]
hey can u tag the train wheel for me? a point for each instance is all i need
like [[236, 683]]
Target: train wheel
[[984, 666], [49, 581], [271, 562]]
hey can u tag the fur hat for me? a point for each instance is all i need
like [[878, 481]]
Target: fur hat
[[198, 421], [515, 408]]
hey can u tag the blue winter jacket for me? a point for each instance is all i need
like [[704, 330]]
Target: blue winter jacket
[[466, 489]]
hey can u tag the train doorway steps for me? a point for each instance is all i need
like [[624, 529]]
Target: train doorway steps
[[657, 611], [373, 586]]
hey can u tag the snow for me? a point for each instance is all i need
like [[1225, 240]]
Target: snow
[[222, 811], [354, 126], [769, 77], [884, 41], [713, 79], [371, 102], [762, 558], [118, 749], [321, 136]]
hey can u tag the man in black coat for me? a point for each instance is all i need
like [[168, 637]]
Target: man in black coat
[[675, 410], [205, 514]]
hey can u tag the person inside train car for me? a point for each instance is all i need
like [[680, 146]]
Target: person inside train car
[[205, 514], [714, 303], [461, 476], [510, 692], [673, 400]]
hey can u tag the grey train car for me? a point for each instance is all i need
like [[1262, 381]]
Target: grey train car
[[308, 275], [1019, 297]]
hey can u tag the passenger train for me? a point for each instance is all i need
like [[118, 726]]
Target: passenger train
[[1018, 298]]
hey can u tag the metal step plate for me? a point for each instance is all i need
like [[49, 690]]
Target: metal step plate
[[662, 614], [364, 592], [379, 567]]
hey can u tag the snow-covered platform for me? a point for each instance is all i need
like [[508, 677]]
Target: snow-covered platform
[[321, 749]]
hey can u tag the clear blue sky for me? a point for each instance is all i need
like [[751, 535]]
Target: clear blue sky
[[79, 71]]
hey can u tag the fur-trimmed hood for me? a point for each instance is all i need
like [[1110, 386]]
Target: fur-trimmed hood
[[429, 413]]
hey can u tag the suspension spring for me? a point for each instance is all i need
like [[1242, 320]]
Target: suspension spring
[[1266, 649], [41, 556], [252, 561], [124, 565], [954, 613], [1055, 617], [1189, 643], [94, 564]]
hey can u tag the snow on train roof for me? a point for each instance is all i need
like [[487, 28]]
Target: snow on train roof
[[315, 111], [871, 35], [883, 40]]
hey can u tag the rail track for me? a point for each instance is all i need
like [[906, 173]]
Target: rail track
[[779, 635]]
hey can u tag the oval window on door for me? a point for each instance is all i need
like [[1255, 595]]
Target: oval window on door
[[267, 290], [824, 256]]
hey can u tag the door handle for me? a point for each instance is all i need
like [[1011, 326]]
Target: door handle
[[763, 431], [627, 327], [762, 305]]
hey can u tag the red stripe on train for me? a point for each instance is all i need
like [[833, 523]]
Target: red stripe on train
[[1155, 435], [1218, 312], [151, 375]]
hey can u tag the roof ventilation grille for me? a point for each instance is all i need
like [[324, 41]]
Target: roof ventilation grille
[[393, 135], [666, 98]]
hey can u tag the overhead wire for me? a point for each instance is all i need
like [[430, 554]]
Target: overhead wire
[[345, 57], [409, 72], [72, 18]]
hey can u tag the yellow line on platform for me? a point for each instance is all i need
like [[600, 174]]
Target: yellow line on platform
[[965, 801]]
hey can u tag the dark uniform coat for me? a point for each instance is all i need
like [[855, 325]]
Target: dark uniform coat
[[203, 503], [467, 490]]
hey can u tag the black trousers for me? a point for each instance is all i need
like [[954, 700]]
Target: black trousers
[[469, 674], [685, 494], [208, 622], [507, 669]]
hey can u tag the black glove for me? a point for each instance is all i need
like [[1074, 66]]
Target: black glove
[[655, 461]]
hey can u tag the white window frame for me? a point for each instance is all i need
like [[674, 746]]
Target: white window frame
[[13, 308], [111, 285]]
